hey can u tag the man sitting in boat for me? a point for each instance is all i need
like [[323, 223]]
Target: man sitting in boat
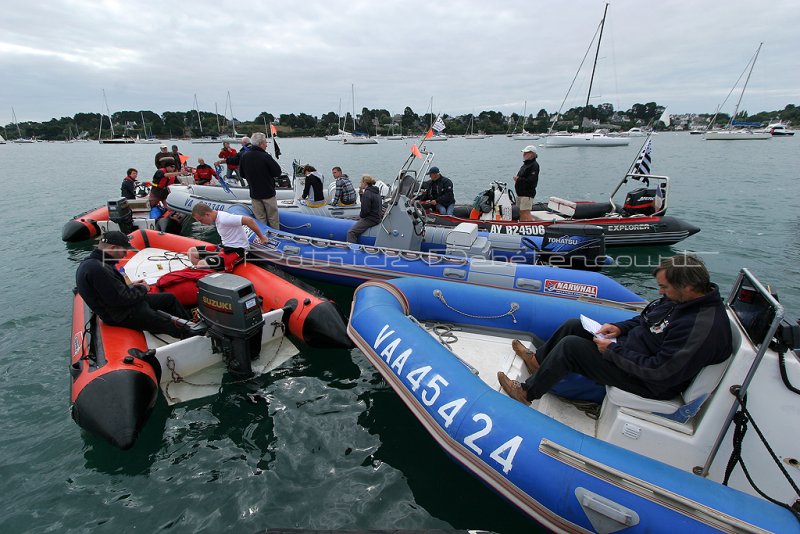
[[117, 303], [204, 172], [440, 193], [654, 355], [224, 154], [313, 184], [526, 181], [345, 194], [234, 238], [371, 205], [128, 187]]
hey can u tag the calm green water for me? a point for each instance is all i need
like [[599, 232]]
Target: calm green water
[[322, 442]]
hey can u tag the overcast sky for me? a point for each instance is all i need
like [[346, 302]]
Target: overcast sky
[[297, 56]]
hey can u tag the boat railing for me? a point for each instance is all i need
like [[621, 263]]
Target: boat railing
[[745, 287]]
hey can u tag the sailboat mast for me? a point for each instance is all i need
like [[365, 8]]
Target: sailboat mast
[[353, 93], [197, 110], [108, 112], [596, 55], [752, 65], [14, 114]]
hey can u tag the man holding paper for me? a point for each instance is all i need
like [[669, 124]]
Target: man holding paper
[[654, 355]]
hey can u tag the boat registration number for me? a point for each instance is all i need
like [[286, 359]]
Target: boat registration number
[[430, 387], [517, 229]]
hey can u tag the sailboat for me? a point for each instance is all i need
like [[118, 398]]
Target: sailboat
[[738, 134], [438, 135], [525, 135], [340, 133], [148, 138], [125, 139], [19, 138], [355, 138], [471, 134], [588, 139]]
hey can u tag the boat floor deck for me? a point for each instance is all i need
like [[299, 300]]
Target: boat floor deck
[[487, 352]]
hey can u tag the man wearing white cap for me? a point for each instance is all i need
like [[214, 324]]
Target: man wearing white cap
[[163, 154], [525, 182]]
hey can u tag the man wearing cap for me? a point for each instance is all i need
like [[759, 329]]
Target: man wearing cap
[[163, 154], [440, 193], [105, 291], [525, 182]]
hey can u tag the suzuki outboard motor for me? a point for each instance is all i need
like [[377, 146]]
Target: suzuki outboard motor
[[120, 212], [231, 309], [577, 246]]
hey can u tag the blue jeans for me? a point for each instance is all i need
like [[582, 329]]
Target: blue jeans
[[445, 210]]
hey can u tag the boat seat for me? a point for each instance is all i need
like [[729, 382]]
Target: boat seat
[[579, 210], [685, 406]]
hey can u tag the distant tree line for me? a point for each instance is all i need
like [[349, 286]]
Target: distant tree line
[[190, 124]]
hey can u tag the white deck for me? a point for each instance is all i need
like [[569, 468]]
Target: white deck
[[488, 353]]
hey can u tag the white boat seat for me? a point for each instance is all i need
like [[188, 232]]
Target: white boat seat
[[685, 406]]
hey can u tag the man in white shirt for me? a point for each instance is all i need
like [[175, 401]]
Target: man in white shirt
[[234, 238]]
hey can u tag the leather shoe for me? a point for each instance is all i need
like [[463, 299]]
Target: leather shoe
[[528, 356], [513, 388]]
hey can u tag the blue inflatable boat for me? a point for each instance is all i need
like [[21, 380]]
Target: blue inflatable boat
[[638, 466]]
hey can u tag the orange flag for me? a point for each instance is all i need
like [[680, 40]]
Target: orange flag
[[183, 159], [273, 129], [429, 134], [415, 151]]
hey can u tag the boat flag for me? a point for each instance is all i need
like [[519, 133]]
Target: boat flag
[[643, 161], [222, 181], [416, 152], [658, 203], [428, 134], [274, 131], [438, 124]]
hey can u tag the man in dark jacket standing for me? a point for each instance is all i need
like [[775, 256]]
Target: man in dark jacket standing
[[654, 355], [526, 181], [117, 303], [440, 193], [261, 171], [371, 205]]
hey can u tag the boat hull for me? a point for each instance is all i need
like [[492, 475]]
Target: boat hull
[[737, 136], [93, 223], [618, 232], [578, 140]]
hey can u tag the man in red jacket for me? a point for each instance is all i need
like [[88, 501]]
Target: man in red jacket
[[224, 154], [204, 172]]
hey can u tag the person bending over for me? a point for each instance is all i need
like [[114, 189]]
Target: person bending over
[[655, 355], [230, 229]]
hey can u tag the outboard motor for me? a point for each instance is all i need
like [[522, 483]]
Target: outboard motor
[[641, 201], [231, 309], [120, 212], [577, 246]]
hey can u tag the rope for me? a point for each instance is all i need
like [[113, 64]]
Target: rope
[[740, 420], [784, 376], [514, 307]]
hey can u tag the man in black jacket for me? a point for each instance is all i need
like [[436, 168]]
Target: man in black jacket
[[440, 193], [526, 181], [261, 171], [654, 355], [106, 292]]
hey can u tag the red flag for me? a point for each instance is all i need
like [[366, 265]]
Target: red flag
[[183, 159], [415, 151], [429, 134], [273, 129]]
